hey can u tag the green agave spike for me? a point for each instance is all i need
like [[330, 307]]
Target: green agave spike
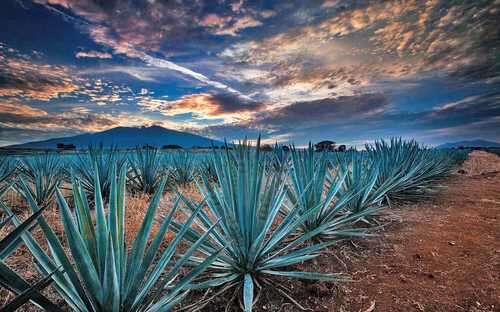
[[106, 275], [10, 279], [146, 171], [247, 199]]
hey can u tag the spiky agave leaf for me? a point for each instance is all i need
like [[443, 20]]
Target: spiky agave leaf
[[146, 170], [360, 180], [407, 170], [9, 278], [43, 174], [315, 188], [183, 165], [106, 275], [99, 160], [205, 167], [247, 199], [7, 169], [280, 158]]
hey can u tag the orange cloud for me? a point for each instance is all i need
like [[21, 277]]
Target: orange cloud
[[24, 78], [18, 109], [205, 106]]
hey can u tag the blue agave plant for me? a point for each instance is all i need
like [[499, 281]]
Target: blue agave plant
[[260, 244]]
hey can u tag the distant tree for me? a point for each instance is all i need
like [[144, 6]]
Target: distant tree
[[147, 146], [325, 146], [171, 146], [65, 147], [266, 148], [285, 148], [341, 148]]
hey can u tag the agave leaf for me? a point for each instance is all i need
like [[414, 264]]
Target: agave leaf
[[70, 282], [146, 170], [83, 259], [43, 174], [307, 275], [248, 292], [13, 281], [181, 285], [140, 242], [12, 240], [27, 292]]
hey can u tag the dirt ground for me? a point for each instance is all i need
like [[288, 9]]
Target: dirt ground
[[438, 255], [442, 255]]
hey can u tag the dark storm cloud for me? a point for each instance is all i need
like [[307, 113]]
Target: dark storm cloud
[[333, 110], [472, 117], [21, 135], [470, 113], [364, 118], [304, 115], [229, 103]]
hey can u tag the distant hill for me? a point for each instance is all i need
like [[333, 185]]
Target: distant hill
[[472, 143], [126, 137]]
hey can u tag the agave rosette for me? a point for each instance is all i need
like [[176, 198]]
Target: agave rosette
[[316, 188], [146, 170], [406, 170], [98, 160], [259, 242], [106, 275], [43, 174]]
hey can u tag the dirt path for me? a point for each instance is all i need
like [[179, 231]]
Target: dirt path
[[444, 255]]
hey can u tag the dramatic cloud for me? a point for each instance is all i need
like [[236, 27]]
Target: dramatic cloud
[[20, 76], [292, 70], [134, 35], [343, 109], [15, 115], [220, 25], [359, 119], [9, 110], [394, 39], [206, 106]]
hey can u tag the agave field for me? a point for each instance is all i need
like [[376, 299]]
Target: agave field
[[257, 217]]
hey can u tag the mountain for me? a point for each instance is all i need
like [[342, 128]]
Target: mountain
[[126, 137], [472, 143]]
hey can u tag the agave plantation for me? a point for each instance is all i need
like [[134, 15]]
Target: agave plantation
[[259, 215]]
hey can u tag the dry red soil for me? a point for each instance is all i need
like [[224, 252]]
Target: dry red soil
[[441, 255]]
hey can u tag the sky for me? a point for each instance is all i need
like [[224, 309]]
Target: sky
[[291, 71]]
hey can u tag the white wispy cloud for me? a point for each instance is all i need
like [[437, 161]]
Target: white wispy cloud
[[93, 54], [162, 63]]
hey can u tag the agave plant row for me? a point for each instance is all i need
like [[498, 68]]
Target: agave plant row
[[261, 215]]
